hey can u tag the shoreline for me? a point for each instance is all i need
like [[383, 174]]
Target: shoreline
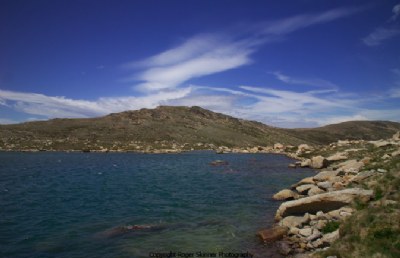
[[342, 168], [315, 210]]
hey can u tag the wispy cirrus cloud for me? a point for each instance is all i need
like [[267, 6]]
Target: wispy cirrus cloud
[[164, 79], [315, 82], [396, 12], [291, 24], [275, 107], [379, 35], [206, 54], [383, 33], [58, 106]]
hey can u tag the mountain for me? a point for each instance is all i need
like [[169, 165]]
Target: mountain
[[352, 130], [168, 127]]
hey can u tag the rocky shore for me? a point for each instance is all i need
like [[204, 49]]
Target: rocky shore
[[316, 208]]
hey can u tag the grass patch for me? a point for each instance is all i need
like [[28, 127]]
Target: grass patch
[[330, 227]]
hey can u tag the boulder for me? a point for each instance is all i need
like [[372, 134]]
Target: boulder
[[326, 175], [362, 175], [386, 156], [325, 185], [350, 166], [305, 163], [337, 156], [285, 194], [293, 221], [315, 190], [219, 163], [319, 162], [278, 146], [272, 234], [303, 147], [306, 232], [315, 234], [322, 202], [303, 189], [304, 181], [330, 237]]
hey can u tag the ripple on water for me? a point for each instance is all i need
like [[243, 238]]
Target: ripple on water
[[59, 204]]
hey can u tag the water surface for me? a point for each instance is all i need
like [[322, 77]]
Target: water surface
[[71, 204]]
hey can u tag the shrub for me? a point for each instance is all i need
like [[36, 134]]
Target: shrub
[[330, 227]]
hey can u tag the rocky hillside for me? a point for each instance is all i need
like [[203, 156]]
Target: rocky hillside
[[351, 208], [352, 130], [172, 129]]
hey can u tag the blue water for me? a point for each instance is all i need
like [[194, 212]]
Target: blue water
[[72, 204]]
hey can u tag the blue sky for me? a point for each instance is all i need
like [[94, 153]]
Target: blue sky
[[302, 63]]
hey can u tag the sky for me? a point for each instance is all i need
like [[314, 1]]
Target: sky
[[303, 63]]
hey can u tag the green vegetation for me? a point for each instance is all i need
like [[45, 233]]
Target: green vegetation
[[374, 230], [330, 227]]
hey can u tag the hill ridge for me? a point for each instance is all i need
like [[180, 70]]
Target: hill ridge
[[174, 127]]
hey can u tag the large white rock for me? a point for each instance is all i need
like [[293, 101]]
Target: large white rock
[[322, 202], [285, 194], [350, 166], [319, 162], [326, 175]]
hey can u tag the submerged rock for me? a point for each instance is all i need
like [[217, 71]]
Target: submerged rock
[[219, 162], [272, 234]]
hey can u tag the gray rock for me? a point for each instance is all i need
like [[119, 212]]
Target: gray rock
[[315, 234], [306, 232], [272, 234], [283, 247], [350, 166], [285, 194], [315, 190], [331, 237], [324, 185], [362, 175], [305, 163], [293, 221], [319, 162], [304, 181], [326, 175], [322, 202], [337, 157], [303, 189]]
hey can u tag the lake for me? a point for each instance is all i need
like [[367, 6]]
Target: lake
[[56, 204]]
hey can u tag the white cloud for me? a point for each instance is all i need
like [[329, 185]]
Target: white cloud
[[396, 12], [294, 23], [378, 35], [381, 34], [51, 107], [305, 82], [270, 106], [207, 54], [198, 56]]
